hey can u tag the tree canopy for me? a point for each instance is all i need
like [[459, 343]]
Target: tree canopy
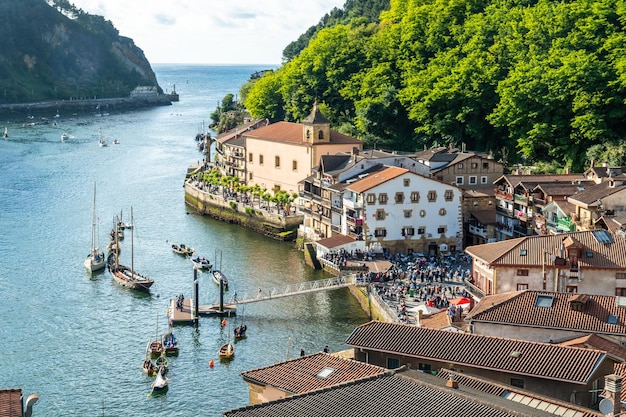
[[537, 80]]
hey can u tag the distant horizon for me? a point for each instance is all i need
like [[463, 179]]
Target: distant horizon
[[216, 65]]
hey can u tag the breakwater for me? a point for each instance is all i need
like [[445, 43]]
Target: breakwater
[[86, 105]]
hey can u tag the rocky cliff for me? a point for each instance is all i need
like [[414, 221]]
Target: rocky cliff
[[54, 51]]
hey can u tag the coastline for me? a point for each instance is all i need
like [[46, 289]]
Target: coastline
[[82, 106]]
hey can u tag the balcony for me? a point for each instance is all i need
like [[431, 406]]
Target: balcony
[[520, 199], [478, 231], [504, 211], [504, 196], [350, 204], [566, 224], [523, 230]]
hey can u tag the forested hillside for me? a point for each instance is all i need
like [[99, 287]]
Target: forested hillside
[[541, 81], [52, 50]]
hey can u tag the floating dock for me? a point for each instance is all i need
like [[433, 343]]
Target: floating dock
[[186, 314]]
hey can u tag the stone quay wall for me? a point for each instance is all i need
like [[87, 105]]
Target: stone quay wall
[[266, 222]]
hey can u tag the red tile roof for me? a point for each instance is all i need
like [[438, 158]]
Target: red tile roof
[[519, 308], [300, 375], [376, 179], [540, 360], [292, 132], [593, 341], [511, 252], [335, 241]]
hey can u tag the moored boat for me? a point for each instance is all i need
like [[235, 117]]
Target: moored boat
[[183, 249], [219, 276], [169, 343], [65, 137], [125, 276], [160, 384], [227, 351], [96, 259], [201, 263]]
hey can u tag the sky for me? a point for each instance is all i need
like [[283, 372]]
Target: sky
[[211, 31]]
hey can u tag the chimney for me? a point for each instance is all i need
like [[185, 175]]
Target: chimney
[[419, 318], [613, 391], [593, 162]]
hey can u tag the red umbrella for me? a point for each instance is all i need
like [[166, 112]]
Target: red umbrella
[[461, 300]]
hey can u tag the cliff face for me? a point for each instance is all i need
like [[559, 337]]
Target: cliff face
[[53, 51]]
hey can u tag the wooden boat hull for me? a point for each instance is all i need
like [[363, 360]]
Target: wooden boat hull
[[240, 332], [227, 351], [95, 262], [217, 275], [170, 344], [127, 278]]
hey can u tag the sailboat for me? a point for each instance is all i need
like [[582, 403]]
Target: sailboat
[[102, 141], [95, 260], [6, 132], [227, 350], [125, 276], [240, 331], [156, 347]]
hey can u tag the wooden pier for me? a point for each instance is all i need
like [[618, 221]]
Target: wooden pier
[[186, 314]]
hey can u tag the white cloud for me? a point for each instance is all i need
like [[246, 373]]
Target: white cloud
[[211, 31]]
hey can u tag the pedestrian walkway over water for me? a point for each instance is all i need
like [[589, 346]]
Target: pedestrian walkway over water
[[185, 313], [297, 289]]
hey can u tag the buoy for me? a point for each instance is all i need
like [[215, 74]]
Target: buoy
[[211, 363], [223, 322]]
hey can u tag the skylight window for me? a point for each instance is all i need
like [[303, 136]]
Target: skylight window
[[523, 252], [544, 301], [612, 319], [602, 236], [325, 372]]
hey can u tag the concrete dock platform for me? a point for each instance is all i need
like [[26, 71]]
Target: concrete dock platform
[[185, 315]]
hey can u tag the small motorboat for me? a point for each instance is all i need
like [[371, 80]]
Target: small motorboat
[[65, 137], [183, 250], [201, 263], [219, 276], [227, 351]]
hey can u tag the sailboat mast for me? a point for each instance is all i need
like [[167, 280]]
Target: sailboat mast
[[132, 245], [93, 220]]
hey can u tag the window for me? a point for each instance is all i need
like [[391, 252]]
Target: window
[[408, 231], [611, 319], [415, 197], [459, 166], [325, 372], [522, 272], [472, 179], [620, 292], [544, 301], [380, 232], [441, 229], [442, 211], [380, 214], [620, 275], [572, 289], [424, 367], [517, 382], [277, 161], [393, 363], [382, 198], [485, 165], [371, 198], [320, 134], [249, 176], [422, 213], [407, 182], [308, 133], [523, 252], [294, 165], [421, 230], [448, 195], [459, 180], [399, 198], [474, 165], [432, 196], [250, 157], [408, 214], [522, 287], [260, 159], [483, 180]]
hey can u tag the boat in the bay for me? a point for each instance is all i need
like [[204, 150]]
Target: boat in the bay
[[169, 343], [64, 137], [183, 249], [219, 276], [148, 366], [240, 331], [227, 350], [202, 264], [160, 384], [125, 276], [96, 259], [102, 142]]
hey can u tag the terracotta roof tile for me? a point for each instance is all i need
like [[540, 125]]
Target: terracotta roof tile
[[376, 179], [520, 309], [292, 132], [335, 241], [593, 341], [300, 375], [528, 251], [391, 395], [541, 360]]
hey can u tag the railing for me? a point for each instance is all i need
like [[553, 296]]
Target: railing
[[520, 199], [504, 196], [479, 231], [508, 212]]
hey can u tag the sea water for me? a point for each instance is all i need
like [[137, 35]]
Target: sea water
[[78, 340]]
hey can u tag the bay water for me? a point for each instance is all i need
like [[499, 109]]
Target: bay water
[[77, 339]]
